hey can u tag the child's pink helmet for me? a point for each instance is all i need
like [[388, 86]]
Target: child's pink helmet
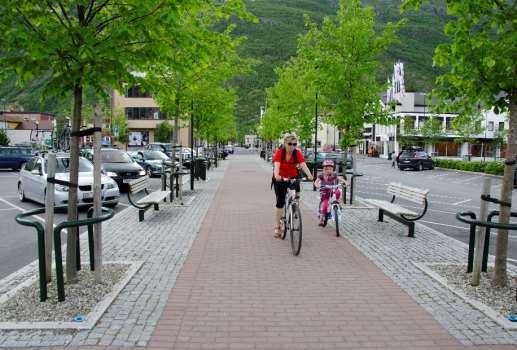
[[328, 162]]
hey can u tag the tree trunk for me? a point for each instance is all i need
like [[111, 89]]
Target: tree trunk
[[72, 236], [499, 278], [97, 196]]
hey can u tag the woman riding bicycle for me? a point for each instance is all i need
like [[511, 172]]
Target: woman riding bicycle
[[287, 160], [328, 178]]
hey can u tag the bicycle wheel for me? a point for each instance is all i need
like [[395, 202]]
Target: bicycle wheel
[[296, 229], [286, 221], [335, 212]]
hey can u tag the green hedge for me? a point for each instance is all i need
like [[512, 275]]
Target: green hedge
[[494, 168]]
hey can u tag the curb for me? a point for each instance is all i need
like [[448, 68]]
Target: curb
[[470, 172]]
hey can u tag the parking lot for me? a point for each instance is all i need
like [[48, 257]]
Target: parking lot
[[450, 192], [17, 242]]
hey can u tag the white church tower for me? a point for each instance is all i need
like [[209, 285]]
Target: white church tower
[[397, 81]]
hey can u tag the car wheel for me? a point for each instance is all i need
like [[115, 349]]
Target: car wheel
[[420, 167], [21, 193]]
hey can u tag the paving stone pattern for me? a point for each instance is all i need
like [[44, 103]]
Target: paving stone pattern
[[162, 241], [387, 245], [242, 289]]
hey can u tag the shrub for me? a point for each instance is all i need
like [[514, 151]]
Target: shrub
[[494, 168]]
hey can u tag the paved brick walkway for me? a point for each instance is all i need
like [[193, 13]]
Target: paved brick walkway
[[242, 289]]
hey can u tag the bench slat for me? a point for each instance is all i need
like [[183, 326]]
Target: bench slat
[[154, 197], [409, 188], [408, 196], [410, 193], [139, 184], [393, 208]]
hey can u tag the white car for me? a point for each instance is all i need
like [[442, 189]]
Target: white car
[[32, 183]]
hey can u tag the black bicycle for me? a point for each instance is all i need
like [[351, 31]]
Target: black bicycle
[[292, 219]]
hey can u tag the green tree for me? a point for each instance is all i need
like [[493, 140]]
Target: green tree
[[467, 127], [338, 62], [119, 127], [409, 133], [482, 70], [4, 139], [163, 132], [80, 44], [203, 79], [290, 103], [346, 55], [432, 131]]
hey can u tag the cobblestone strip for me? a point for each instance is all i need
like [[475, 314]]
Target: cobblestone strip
[[242, 289], [162, 241], [387, 245]]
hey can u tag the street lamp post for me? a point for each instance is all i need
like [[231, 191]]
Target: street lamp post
[[315, 166]]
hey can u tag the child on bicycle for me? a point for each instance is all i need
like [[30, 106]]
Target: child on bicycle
[[328, 178]]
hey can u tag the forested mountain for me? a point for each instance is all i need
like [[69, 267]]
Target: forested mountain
[[273, 40]]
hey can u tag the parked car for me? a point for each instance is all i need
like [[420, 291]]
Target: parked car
[[152, 161], [338, 158], [14, 157], [32, 182], [117, 164], [160, 146], [417, 160], [229, 149]]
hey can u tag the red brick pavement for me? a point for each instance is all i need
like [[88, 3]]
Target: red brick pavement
[[242, 289]]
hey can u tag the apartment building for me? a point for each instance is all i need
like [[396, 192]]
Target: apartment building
[[143, 116], [415, 108]]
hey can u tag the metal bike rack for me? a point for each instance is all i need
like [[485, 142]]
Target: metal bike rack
[[23, 219], [469, 218]]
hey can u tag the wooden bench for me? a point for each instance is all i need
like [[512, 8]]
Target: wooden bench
[[152, 198], [403, 215]]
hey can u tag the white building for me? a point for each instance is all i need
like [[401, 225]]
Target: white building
[[415, 107]]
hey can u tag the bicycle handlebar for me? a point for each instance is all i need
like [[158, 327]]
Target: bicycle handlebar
[[294, 180]]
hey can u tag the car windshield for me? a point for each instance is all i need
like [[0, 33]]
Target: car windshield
[[115, 156], [322, 155], [155, 155], [161, 147], [63, 165], [407, 154]]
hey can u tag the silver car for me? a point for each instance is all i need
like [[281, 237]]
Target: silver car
[[32, 182]]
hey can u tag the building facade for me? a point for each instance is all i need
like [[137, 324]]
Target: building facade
[[414, 108], [143, 116], [32, 128]]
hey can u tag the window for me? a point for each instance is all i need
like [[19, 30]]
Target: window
[[144, 113], [448, 124], [490, 126], [115, 156], [30, 164], [37, 166], [136, 91], [501, 126], [63, 165]]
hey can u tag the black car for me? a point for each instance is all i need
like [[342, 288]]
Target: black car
[[160, 146], [117, 164], [416, 160], [153, 162], [14, 157], [339, 158]]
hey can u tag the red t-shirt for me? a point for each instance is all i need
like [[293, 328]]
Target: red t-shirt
[[288, 167]]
